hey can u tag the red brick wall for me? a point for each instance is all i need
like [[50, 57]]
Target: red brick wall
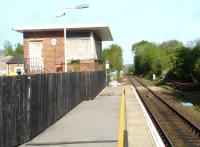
[[91, 65], [53, 55]]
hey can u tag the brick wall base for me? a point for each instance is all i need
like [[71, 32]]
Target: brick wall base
[[90, 65]]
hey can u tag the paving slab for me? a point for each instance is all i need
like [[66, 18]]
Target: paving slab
[[93, 123], [138, 132]]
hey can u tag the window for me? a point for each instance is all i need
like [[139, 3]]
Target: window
[[78, 49], [19, 72]]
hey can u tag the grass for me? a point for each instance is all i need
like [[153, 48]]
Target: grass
[[191, 96], [197, 107]]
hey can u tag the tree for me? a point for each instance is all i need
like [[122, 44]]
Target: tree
[[195, 61], [8, 49], [170, 58], [114, 55], [149, 58], [138, 49], [105, 55], [130, 70], [181, 64], [197, 66], [170, 48], [185, 63], [171, 45], [18, 50]]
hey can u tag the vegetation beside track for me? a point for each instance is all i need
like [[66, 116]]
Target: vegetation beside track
[[176, 96], [169, 61]]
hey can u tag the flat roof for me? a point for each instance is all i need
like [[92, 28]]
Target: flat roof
[[101, 30]]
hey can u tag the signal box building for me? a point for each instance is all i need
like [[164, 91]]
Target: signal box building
[[63, 48]]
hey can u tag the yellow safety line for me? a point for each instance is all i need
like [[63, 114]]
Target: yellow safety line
[[121, 125]]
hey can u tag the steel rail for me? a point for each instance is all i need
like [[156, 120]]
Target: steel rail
[[162, 133], [189, 123]]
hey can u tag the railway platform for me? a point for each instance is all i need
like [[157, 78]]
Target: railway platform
[[96, 123], [139, 128], [93, 123]]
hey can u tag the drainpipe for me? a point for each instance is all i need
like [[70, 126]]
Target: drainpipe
[[91, 49], [65, 47]]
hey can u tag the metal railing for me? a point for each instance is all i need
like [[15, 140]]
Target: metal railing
[[36, 66]]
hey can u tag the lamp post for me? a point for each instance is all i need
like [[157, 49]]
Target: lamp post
[[83, 6]]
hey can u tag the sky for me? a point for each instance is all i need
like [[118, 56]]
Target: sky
[[130, 21]]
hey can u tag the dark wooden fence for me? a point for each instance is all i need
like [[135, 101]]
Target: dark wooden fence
[[29, 104]]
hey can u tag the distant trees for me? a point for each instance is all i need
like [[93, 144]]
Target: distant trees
[[9, 51], [130, 70], [185, 63], [197, 69], [149, 58], [18, 50], [177, 61], [113, 54]]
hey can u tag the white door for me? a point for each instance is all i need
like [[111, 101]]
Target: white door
[[36, 56]]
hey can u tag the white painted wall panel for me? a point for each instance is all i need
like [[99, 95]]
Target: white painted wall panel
[[83, 48], [97, 48], [3, 69], [78, 49], [93, 48]]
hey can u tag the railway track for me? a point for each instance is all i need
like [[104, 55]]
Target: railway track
[[173, 127]]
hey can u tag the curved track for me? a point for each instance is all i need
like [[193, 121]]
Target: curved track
[[174, 128]]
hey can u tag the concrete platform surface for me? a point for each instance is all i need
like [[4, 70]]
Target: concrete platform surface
[[92, 123], [138, 132]]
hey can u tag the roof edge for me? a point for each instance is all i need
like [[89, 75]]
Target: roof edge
[[92, 27]]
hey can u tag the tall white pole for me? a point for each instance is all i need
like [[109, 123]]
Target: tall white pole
[[83, 6], [65, 47]]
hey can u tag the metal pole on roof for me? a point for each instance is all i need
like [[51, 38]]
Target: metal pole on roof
[[83, 6]]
